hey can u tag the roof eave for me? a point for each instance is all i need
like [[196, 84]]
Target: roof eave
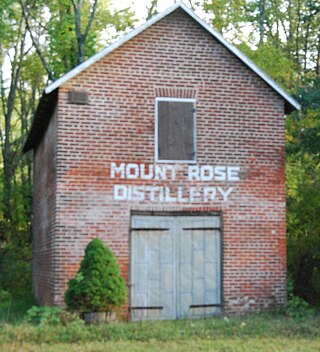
[[41, 120]]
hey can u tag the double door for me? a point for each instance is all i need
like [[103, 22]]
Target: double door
[[175, 267]]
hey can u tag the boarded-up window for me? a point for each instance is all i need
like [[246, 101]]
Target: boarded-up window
[[175, 130]]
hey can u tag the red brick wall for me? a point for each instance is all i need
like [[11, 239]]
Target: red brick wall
[[239, 122], [44, 197]]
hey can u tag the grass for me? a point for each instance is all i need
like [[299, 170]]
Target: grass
[[14, 311], [260, 332], [235, 345]]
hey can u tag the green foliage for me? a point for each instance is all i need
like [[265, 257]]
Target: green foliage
[[12, 310], [5, 297], [44, 315], [282, 37], [15, 265], [22, 79], [251, 330], [303, 195], [297, 307], [273, 60], [227, 15], [61, 47], [98, 285], [309, 95], [17, 98]]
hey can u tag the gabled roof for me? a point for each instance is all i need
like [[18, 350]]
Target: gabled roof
[[290, 103]]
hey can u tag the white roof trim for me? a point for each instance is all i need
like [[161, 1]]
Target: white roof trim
[[56, 84]]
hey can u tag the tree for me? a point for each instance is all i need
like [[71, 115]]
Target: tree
[[152, 9], [98, 286], [226, 15], [284, 41], [40, 40], [66, 32], [291, 26], [303, 194], [17, 93]]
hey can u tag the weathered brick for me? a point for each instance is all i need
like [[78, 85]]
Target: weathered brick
[[239, 122]]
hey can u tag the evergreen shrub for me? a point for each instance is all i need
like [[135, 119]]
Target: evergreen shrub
[[98, 286]]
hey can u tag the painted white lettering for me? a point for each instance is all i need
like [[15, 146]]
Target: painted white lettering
[[167, 196], [152, 192], [180, 195], [144, 175], [161, 194], [116, 170], [233, 173], [220, 173], [138, 193], [132, 171], [225, 193], [160, 172], [193, 173], [206, 173], [209, 194], [172, 172], [120, 192], [194, 194], [129, 188]]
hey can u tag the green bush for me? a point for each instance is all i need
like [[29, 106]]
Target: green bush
[[5, 296], [15, 268], [51, 316], [297, 306], [44, 315], [13, 310], [98, 286]]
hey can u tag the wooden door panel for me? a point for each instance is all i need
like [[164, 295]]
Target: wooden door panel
[[175, 267]]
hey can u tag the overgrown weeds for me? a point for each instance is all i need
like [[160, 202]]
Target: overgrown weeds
[[14, 311], [253, 326], [54, 326]]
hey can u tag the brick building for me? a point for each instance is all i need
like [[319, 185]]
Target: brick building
[[169, 146]]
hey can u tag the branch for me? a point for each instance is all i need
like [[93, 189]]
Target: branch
[[90, 20], [152, 10], [3, 107], [317, 70], [192, 7], [77, 19], [2, 94], [284, 29], [36, 45], [15, 73]]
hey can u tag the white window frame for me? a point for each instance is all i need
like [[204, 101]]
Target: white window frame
[[181, 100]]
